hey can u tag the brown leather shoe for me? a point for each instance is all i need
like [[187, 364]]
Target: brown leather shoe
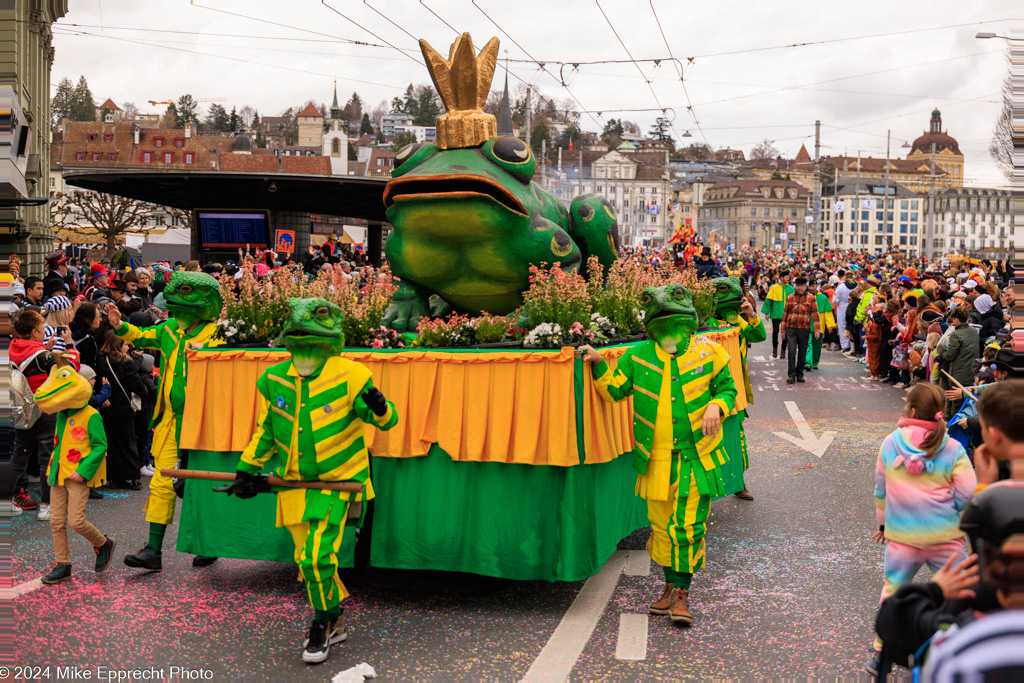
[[745, 495], [680, 613], [664, 603]]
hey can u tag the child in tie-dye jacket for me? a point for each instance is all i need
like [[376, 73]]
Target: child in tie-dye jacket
[[923, 480]]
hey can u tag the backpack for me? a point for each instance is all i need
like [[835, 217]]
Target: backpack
[[24, 411]]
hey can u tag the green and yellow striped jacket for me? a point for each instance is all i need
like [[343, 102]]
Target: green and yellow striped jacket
[[700, 376], [750, 333], [172, 343], [315, 424]]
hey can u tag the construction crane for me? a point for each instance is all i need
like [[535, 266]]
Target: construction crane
[[198, 100]]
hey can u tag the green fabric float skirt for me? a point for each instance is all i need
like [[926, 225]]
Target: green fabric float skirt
[[520, 522], [732, 471]]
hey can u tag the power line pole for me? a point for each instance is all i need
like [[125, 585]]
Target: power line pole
[[816, 206], [885, 200], [529, 114], [929, 229]]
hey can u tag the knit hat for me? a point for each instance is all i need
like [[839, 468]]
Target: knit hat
[[56, 303], [87, 372], [96, 270]]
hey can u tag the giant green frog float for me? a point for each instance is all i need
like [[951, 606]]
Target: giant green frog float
[[468, 219]]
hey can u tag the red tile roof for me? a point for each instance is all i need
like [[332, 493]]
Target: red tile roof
[[306, 165], [109, 104], [311, 112], [249, 163]]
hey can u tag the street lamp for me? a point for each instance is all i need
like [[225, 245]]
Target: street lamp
[[984, 35], [687, 135]]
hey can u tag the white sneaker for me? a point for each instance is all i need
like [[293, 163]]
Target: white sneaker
[[148, 471], [44, 512], [899, 385]]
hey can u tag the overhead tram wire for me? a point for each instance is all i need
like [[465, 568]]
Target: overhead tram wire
[[657, 101], [386, 18], [233, 59], [351, 21], [682, 81], [540, 64], [439, 18], [273, 23], [214, 35]]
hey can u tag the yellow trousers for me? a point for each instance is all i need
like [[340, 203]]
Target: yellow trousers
[[677, 526], [162, 499]]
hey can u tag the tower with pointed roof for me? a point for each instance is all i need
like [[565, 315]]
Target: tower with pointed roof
[[505, 111], [335, 109], [311, 126]]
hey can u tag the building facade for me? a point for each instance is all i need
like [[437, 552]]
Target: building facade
[[762, 214], [389, 121], [975, 222], [869, 216], [26, 55], [311, 126]]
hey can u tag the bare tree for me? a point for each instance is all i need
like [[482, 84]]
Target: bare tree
[[764, 151], [377, 114], [245, 115], [108, 217], [129, 111], [1001, 147], [59, 212]]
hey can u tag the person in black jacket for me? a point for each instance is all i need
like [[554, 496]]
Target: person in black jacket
[[122, 371], [146, 361], [706, 267], [85, 329]]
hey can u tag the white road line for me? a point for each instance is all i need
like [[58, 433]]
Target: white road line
[[638, 564], [559, 655], [21, 589], [632, 643]]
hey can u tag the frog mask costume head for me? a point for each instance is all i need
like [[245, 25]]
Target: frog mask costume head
[[468, 220], [669, 316], [313, 333], [192, 297], [728, 299], [64, 389]]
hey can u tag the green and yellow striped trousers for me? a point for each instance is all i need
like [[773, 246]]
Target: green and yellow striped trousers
[[316, 552], [678, 524]]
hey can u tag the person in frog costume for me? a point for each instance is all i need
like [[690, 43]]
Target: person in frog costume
[[468, 221], [774, 305], [681, 390], [313, 408], [194, 302], [733, 308], [78, 463], [825, 323]]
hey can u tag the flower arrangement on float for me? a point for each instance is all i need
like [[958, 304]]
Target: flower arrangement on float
[[560, 308]]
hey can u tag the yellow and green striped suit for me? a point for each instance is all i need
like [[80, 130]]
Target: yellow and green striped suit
[[678, 465], [316, 426], [173, 343]]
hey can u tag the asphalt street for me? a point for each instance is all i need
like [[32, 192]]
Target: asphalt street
[[790, 588]]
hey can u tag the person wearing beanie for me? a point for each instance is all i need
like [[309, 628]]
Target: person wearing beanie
[[98, 283]]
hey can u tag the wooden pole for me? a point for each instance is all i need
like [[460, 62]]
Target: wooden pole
[[350, 486], [966, 391]]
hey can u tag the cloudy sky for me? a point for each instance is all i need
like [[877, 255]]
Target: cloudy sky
[[871, 67]]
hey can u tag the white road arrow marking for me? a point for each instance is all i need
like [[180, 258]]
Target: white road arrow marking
[[807, 440]]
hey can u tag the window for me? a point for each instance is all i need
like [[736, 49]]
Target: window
[[686, 209], [913, 229], [753, 211], [168, 157], [913, 204], [175, 221], [903, 227], [863, 239], [112, 156], [753, 226], [53, 182], [903, 215], [642, 190], [780, 213], [878, 215], [91, 137], [147, 157], [179, 142], [903, 240], [97, 156], [879, 240], [190, 157], [625, 203], [654, 219], [767, 212], [864, 215], [79, 156], [158, 142], [913, 217], [903, 204]]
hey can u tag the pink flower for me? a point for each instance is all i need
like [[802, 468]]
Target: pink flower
[[377, 344]]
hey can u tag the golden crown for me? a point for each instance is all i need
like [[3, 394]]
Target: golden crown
[[463, 81]]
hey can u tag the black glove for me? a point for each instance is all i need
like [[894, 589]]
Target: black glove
[[246, 485], [378, 404]]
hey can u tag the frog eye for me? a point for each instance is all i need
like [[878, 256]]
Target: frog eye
[[185, 289], [64, 374], [513, 155], [411, 156], [646, 299], [322, 312], [679, 293]]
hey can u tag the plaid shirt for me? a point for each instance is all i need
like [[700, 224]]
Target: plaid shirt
[[800, 311]]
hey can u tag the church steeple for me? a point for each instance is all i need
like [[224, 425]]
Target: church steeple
[[936, 125], [335, 109], [505, 110]]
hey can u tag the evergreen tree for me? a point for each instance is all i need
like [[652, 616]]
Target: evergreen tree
[[354, 108], [83, 106], [233, 120], [660, 131], [612, 133], [540, 133], [217, 119], [570, 133], [62, 104], [261, 141], [352, 154], [186, 111], [427, 107], [366, 128], [255, 121]]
